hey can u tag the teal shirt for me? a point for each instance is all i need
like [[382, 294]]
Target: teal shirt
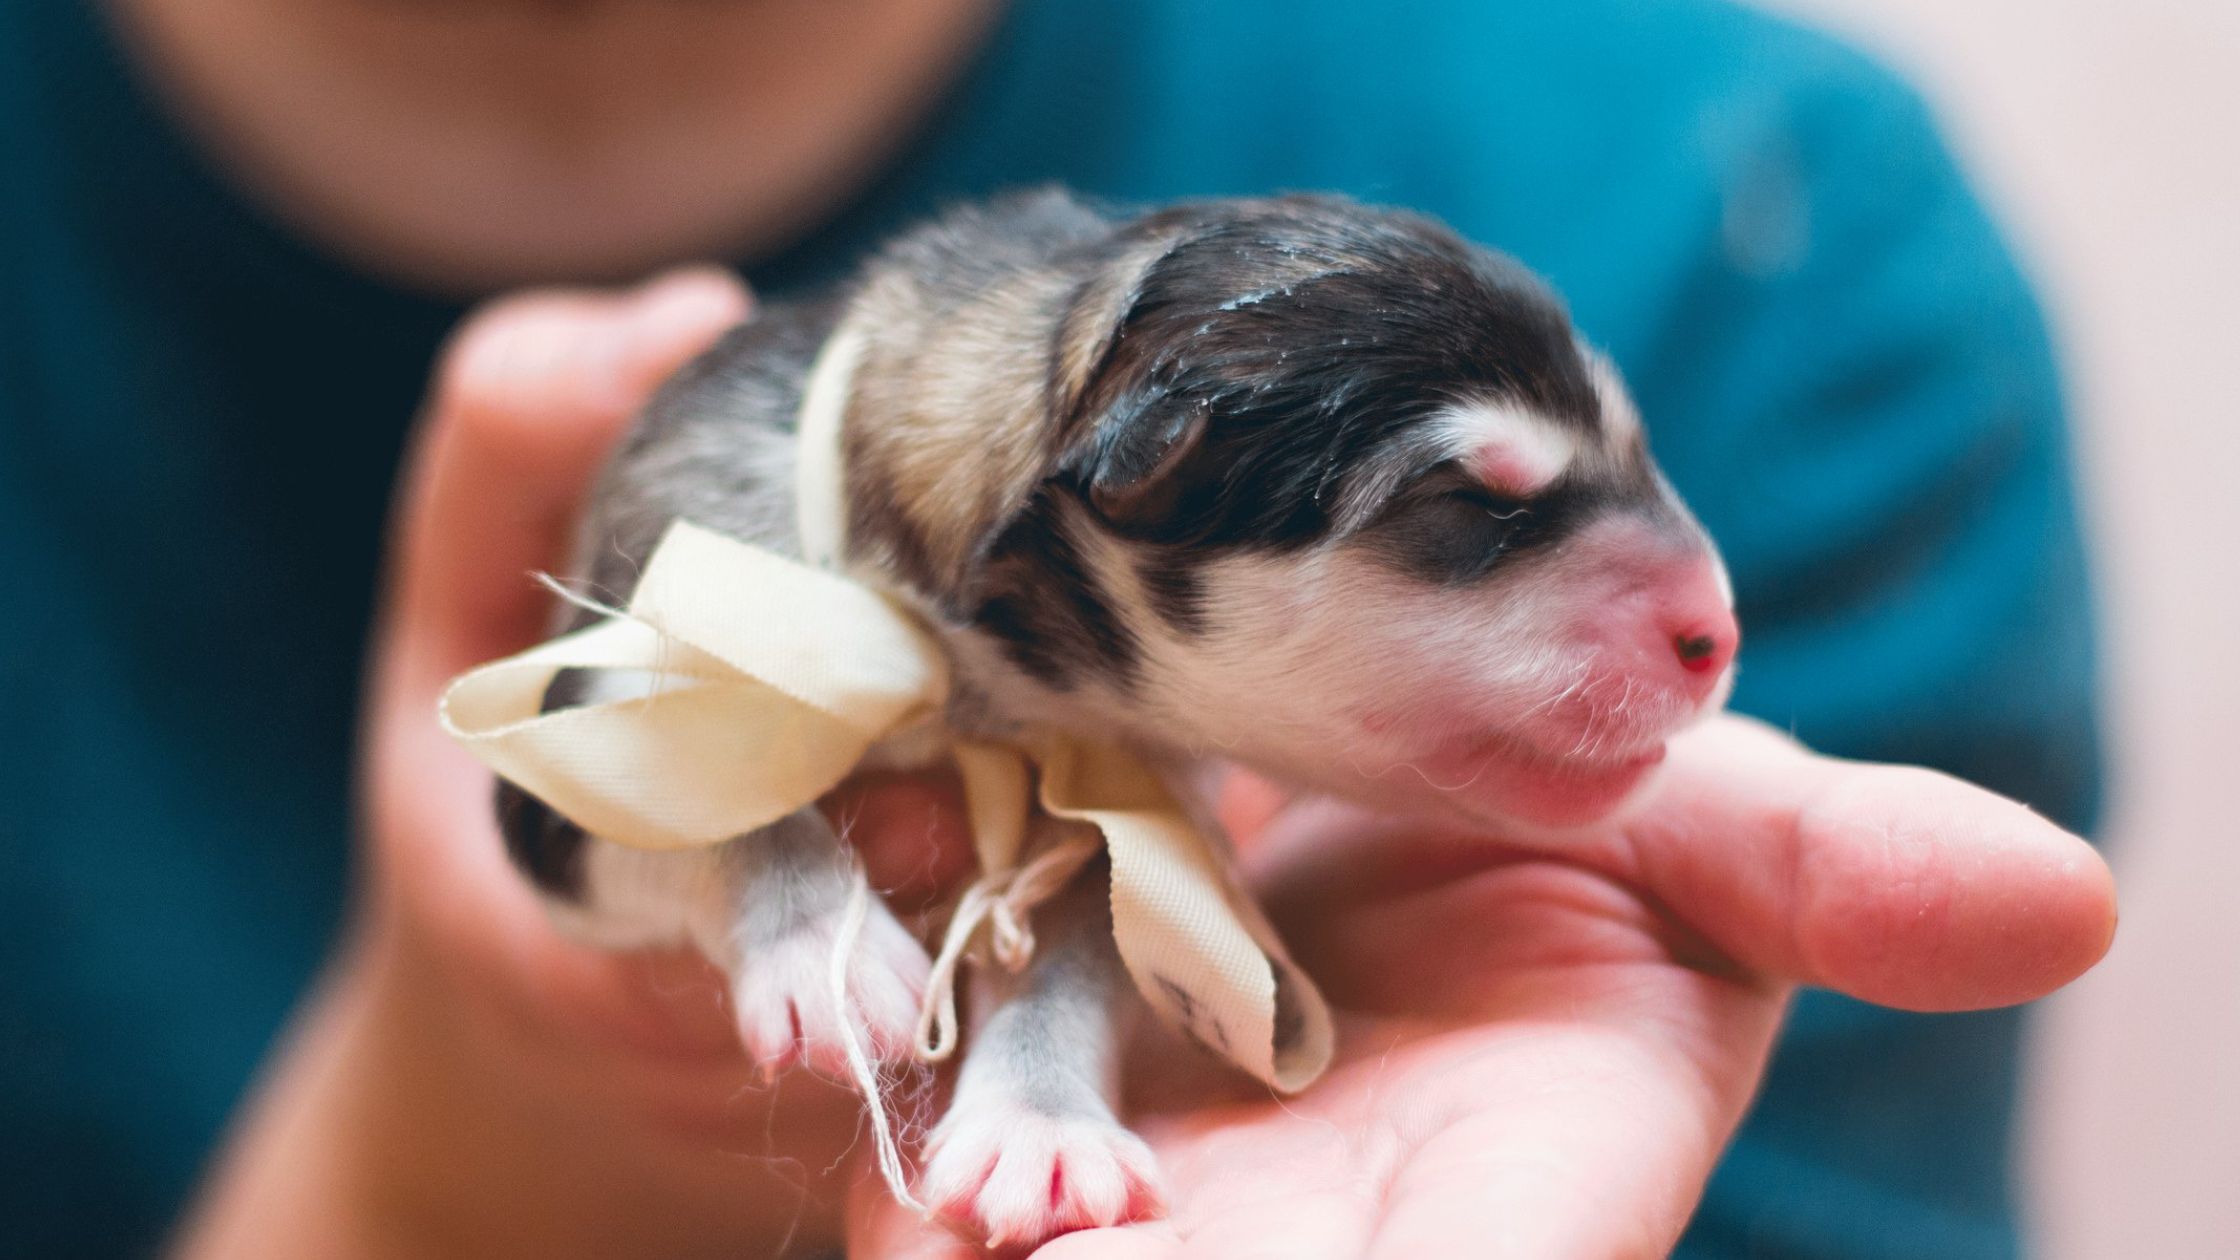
[[200, 418]]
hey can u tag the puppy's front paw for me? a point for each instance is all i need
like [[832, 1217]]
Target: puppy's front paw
[[1014, 1176], [783, 995]]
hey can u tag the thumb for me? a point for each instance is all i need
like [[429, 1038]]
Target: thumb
[[530, 395]]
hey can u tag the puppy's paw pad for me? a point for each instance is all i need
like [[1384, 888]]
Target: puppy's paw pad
[[784, 1003], [1014, 1177]]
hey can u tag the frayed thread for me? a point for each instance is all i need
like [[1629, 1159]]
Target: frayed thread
[[883, 1143], [585, 602]]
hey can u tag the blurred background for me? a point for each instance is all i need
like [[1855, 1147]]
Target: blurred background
[[2104, 137]]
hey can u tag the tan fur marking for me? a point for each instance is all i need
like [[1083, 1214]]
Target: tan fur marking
[[958, 443]]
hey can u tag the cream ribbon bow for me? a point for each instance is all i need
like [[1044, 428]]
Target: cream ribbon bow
[[772, 680]]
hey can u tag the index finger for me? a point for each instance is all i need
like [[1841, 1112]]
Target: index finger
[[1894, 884]]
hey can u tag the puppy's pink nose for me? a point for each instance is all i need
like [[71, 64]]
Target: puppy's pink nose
[[1704, 650], [1699, 625]]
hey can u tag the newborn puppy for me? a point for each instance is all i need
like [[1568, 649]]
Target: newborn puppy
[[1295, 484]]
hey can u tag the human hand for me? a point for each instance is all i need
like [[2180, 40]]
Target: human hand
[[1544, 1046], [469, 1083]]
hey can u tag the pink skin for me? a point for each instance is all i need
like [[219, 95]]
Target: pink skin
[[1517, 471], [1653, 623]]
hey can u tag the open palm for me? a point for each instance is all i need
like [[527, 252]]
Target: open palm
[[1544, 1046]]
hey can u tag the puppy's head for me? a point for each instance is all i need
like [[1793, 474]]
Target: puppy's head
[[1337, 495]]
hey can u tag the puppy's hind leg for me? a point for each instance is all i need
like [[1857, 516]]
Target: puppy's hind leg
[[1030, 1147], [785, 897], [766, 907]]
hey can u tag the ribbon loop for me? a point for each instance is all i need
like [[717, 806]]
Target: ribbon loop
[[769, 682]]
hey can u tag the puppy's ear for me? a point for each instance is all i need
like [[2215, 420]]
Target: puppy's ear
[[1126, 435], [1132, 466]]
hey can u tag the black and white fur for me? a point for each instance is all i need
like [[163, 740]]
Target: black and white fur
[[1315, 488]]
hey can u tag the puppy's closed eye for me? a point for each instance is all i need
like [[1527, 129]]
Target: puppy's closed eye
[[1450, 529], [1500, 506]]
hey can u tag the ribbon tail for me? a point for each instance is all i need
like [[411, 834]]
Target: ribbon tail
[[1196, 946]]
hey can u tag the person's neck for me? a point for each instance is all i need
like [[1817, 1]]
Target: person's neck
[[467, 145]]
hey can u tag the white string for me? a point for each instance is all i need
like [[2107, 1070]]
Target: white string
[[585, 602], [859, 1065], [937, 1018], [1004, 900]]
